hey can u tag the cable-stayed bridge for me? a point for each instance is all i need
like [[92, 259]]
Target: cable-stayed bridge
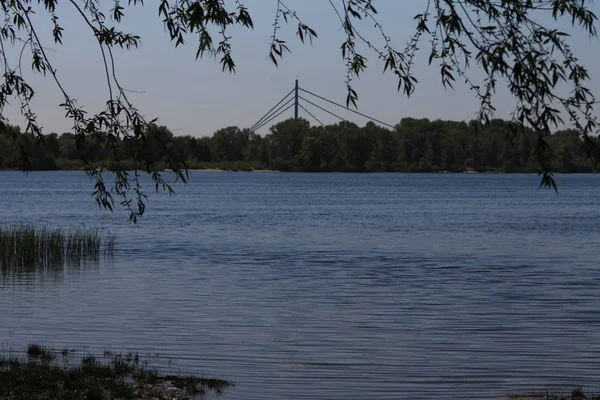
[[299, 99]]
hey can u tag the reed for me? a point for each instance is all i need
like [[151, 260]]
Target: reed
[[30, 247]]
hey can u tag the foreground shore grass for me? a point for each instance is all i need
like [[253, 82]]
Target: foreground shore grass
[[576, 394], [48, 374]]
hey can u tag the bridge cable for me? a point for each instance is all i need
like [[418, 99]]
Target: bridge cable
[[346, 108], [269, 118], [275, 116], [309, 113], [269, 112], [327, 111]]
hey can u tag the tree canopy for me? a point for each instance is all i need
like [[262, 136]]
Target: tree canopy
[[414, 145], [505, 39]]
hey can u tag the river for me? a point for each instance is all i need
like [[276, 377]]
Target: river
[[329, 286]]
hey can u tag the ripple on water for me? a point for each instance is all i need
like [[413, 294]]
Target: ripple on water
[[329, 286]]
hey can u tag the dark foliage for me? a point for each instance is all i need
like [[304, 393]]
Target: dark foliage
[[40, 377], [415, 145]]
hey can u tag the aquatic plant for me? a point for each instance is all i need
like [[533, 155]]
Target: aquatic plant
[[121, 377], [28, 247], [41, 353], [34, 350]]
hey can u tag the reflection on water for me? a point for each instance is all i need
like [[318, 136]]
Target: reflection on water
[[329, 286], [55, 273]]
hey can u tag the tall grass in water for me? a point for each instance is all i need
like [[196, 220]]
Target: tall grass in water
[[31, 247]]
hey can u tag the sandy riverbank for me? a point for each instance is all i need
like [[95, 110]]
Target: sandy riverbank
[[226, 170]]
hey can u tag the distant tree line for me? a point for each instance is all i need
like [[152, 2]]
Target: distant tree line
[[414, 145]]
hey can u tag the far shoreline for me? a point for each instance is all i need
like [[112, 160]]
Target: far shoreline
[[224, 170], [469, 172]]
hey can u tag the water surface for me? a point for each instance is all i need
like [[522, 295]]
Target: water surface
[[331, 286]]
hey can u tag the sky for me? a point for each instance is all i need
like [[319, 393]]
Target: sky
[[194, 97]]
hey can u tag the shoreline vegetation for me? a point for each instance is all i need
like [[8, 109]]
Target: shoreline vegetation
[[577, 393], [245, 168], [414, 145], [46, 373], [28, 248]]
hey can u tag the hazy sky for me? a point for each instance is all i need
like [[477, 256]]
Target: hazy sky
[[196, 98]]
